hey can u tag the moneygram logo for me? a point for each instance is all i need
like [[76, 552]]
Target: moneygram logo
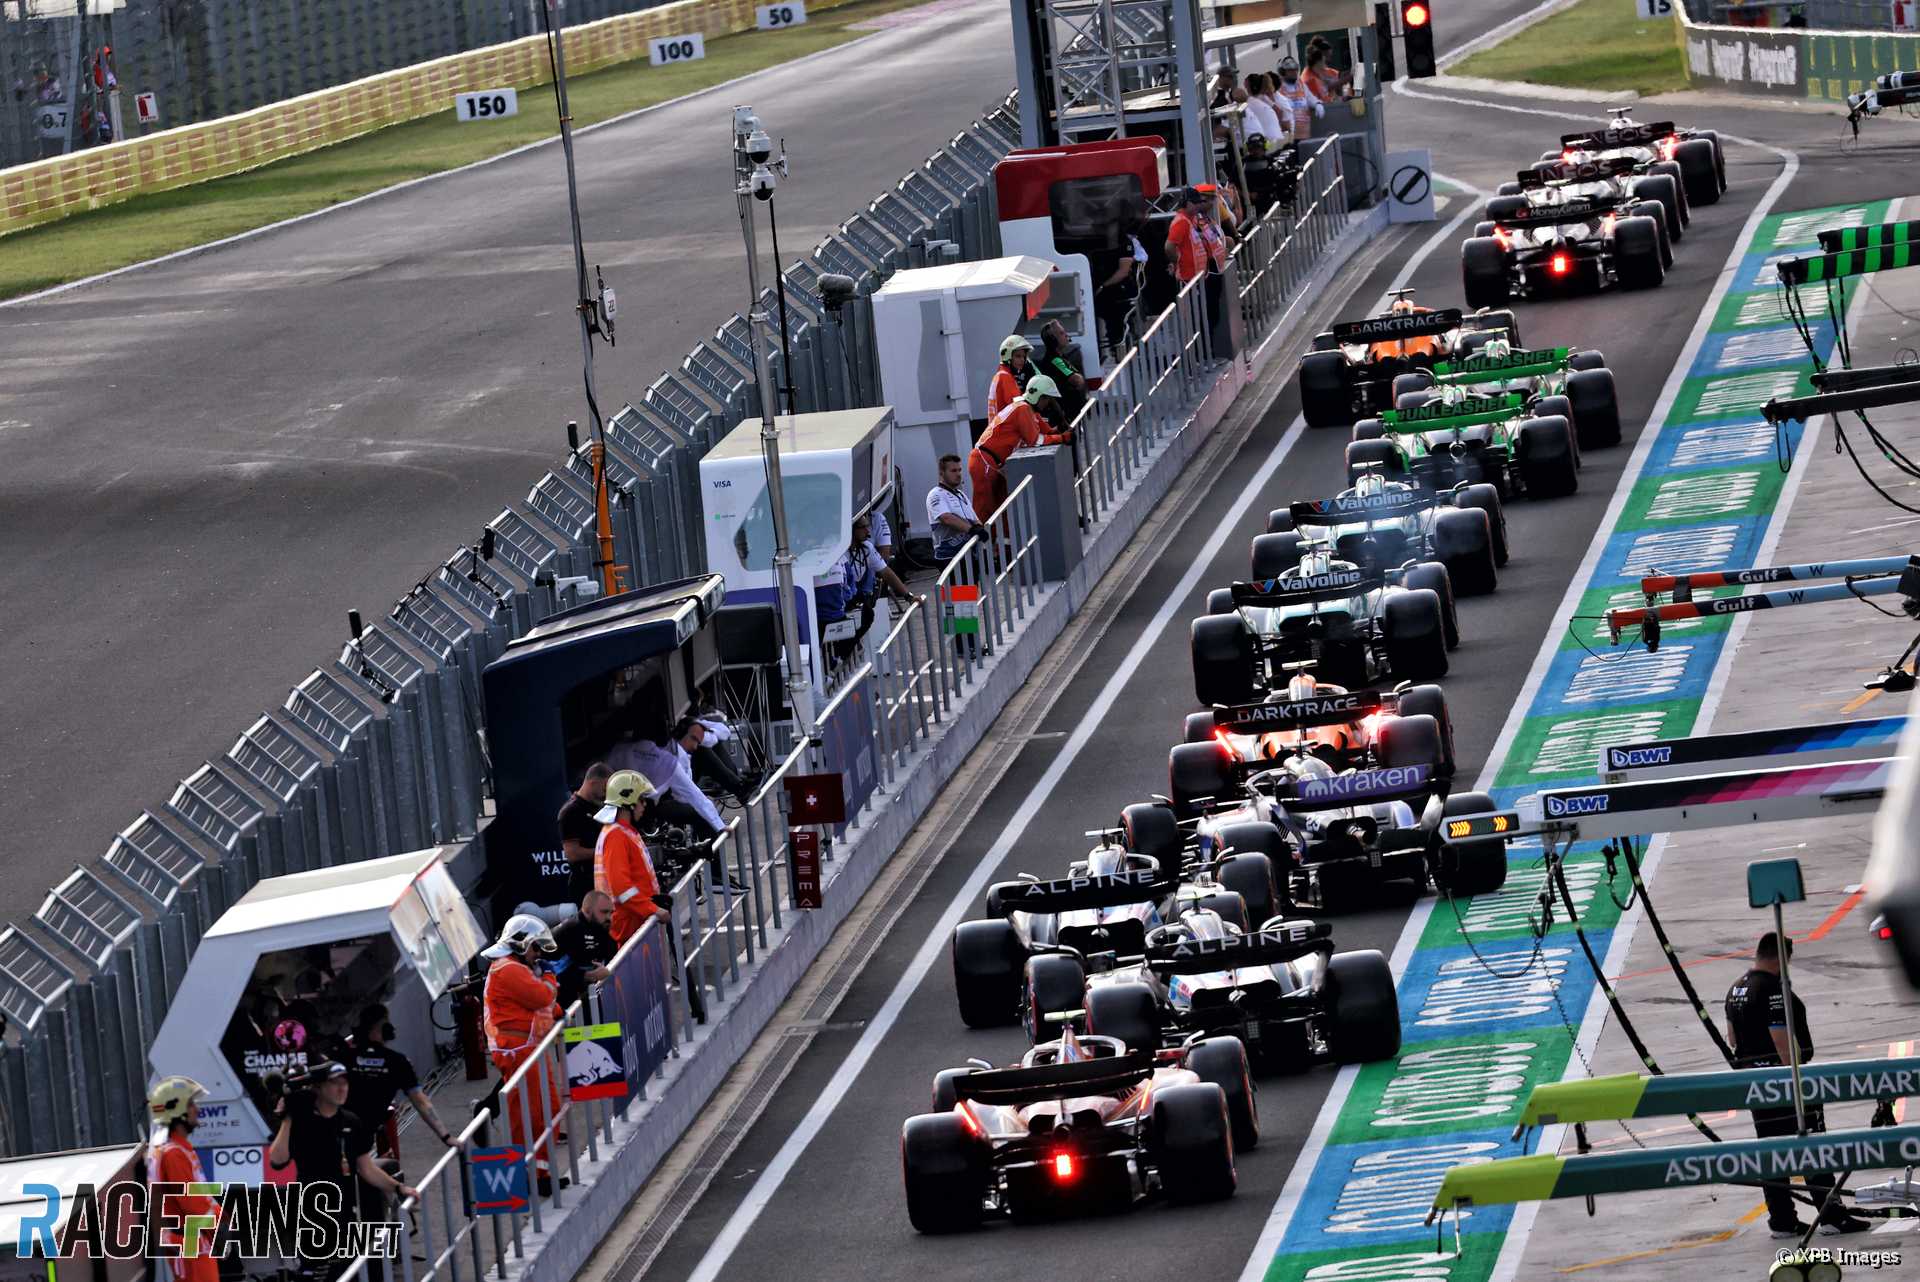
[[128, 1220]]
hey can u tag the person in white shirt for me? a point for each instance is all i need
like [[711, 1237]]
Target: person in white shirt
[[667, 763], [950, 512], [1260, 117], [1294, 94]]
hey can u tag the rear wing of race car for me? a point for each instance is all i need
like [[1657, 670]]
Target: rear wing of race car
[[1335, 585], [1042, 1082], [1530, 363], [1587, 171], [1357, 787], [1584, 210], [1271, 947], [1298, 714], [1397, 325], [1349, 509], [1628, 136], [1074, 894], [1437, 415]]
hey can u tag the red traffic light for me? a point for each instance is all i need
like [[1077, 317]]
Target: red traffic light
[[1415, 14]]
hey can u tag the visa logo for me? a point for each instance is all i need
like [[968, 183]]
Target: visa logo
[[1558, 807]]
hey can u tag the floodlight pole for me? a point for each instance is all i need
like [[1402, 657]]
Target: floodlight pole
[[749, 138]]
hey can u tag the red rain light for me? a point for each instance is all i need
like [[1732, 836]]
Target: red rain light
[[1560, 265], [1886, 932], [1063, 1166], [1415, 15]]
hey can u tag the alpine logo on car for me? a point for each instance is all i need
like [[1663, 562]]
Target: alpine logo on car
[[1255, 718], [1254, 941], [1633, 758], [1440, 409], [1399, 325], [1592, 804], [1358, 785], [1135, 879]]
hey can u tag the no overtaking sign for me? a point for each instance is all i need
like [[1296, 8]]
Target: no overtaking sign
[[1410, 186]]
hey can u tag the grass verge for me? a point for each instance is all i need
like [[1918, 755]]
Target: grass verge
[[149, 226], [1596, 44]]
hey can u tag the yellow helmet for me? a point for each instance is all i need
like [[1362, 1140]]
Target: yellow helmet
[[170, 1098]]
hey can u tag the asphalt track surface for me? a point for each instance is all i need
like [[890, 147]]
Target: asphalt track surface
[[204, 464], [840, 1208]]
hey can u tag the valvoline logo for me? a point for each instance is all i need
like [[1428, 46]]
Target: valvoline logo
[[1594, 804], [1635, 758]]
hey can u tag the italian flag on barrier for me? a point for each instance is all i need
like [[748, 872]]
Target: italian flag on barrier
[[960, 609]]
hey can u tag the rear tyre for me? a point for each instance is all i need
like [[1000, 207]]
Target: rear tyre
[[1249, 873], [1192, 1143], [1220, 601], [1636, 252], [987, 959], [1382, 455], [1231, 908], [1056, 983], [1435, 577], [1483, 271], [1280, 521], [1548, 406], [1365, 1023], [1325, 397], [1223, 1061], [1431, 701], [1412, 740], [1546, 458], [1665, 189], [1487, 499], [1404, 383], [1586, 358], [1463, 540], [945, 1094], [1671, 169], [1416, 638], [1596, 407], [1369, 429], [1483, 228], [1274, 554], [1127, 1011], [1199, 728], [945, 1169], [1501, 208], [1509, 188], [1153, 830], [1196, 771], [1222, 660], [1472, 868], [1654, 210]]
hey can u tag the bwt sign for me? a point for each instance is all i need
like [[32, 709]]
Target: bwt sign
[[128, 1220]]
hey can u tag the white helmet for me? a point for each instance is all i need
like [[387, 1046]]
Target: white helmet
[[1302, 686], [1316, 560], [1104, 861], [520, 931], [1499, 347], [1369, 484], [1306, 766]]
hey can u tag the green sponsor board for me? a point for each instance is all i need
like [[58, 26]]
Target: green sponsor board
[[1564, 745], [1588, 629], [1503, 916], [1629, 1095], [1402, 1263], [1447, 1085], [1688, 498]]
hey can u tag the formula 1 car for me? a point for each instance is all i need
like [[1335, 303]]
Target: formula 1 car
[[1280, 989], [1451, 437], [1350, 626], [1574, 228], [1352, 367], [1379, 524], [1108, 902], [1080, 1124], [1348, 729], [1350, 828], [1697, 162], [1555, 380]]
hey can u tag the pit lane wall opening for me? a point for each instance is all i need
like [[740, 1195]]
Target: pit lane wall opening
[[48, 189], [1487, 1014], [1824, 66]]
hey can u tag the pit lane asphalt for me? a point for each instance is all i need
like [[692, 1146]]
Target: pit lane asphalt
[[840, 1212], [204, 464]]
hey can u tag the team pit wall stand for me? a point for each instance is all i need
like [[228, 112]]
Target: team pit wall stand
[[1662, 786]]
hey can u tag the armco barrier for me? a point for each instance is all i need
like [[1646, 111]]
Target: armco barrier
[[50, 189], [932, 700], [1794, 63]]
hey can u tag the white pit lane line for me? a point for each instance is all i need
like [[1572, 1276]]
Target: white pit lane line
[[1506, 1266], [834, 1093]]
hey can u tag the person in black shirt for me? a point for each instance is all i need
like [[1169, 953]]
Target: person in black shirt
[[1757, 1027], [580, 831], [586, 946], [376, 1072], [326, 1143]]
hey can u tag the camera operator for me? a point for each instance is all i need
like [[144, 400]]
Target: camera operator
[[327, 1144]]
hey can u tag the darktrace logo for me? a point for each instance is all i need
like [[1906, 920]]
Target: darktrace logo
[[129, 1220]]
